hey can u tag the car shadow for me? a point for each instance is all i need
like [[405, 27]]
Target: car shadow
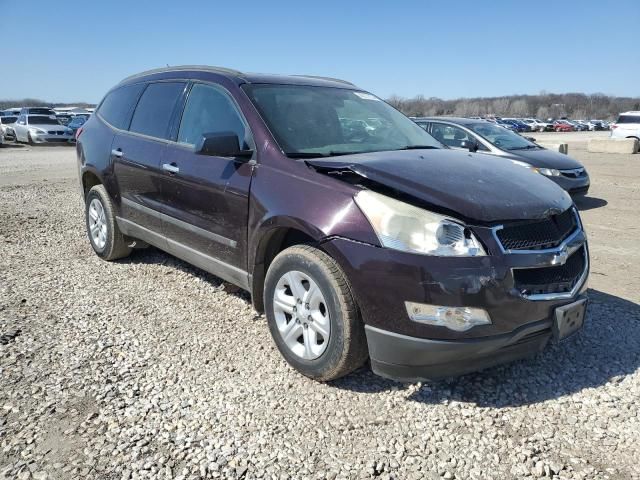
[[605, 351], [589, 203], [12, 145], [153, 256]]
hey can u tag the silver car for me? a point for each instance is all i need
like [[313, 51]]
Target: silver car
[[35, 129]]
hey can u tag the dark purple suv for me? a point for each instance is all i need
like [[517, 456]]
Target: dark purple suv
[[351, 228]]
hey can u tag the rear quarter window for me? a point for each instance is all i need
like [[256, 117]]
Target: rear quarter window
[[629, 119], [155, 109], [118, 105]]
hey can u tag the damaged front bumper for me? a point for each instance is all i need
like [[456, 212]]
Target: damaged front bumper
[[382, 280]]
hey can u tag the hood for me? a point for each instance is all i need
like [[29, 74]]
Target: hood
[[477, 187], [545, 159]]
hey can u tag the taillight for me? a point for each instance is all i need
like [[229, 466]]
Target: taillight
[[78, 133], [613, 127]]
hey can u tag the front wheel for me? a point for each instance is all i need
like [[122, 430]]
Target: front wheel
[[312, 315]]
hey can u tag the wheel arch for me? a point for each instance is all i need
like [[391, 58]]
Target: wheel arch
[[279, 234]]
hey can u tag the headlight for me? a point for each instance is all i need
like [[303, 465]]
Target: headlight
[[549, 172], [401, 226], [37, 131]]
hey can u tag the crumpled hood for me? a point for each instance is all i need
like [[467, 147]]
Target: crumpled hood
[[543, 158], [477, 187]]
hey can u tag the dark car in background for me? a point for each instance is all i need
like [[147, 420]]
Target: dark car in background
[[429, 261], [75, 123], [485, 137]]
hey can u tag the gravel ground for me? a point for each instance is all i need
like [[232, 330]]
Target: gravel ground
[[150, 368]]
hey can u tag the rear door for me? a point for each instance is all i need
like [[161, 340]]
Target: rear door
[[206, 198], [137, 155]]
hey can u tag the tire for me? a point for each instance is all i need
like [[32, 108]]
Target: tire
[[109, 244], [346, 347], [30, 140]]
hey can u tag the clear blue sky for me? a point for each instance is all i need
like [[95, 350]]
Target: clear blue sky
[[76, 50]]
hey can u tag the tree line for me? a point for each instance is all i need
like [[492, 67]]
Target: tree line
[[34, 102], [544, 105]]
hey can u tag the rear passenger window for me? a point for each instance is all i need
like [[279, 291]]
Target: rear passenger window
[[155, 107], [118, 105], [209, 110], [629, 119]]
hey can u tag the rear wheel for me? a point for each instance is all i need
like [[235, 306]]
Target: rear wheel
[[104, 235], [312, 314]]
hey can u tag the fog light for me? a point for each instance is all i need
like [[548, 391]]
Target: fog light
[[459, 319]]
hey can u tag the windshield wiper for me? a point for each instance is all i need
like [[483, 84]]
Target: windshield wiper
[[304, 154], [524, 148], [418, 147]]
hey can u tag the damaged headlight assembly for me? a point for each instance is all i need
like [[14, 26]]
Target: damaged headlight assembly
[[401, 226]]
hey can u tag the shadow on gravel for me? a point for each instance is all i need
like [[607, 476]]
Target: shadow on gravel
[[606, 351], [152, 255], [589, 203]]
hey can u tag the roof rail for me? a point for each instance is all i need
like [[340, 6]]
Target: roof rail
[[326, 78], [207, 68]]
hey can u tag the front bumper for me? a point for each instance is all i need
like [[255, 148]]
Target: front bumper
[[52, 138], [573, 185], [382, 280]]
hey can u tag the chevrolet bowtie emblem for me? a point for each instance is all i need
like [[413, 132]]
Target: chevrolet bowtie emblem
[[561, 257]]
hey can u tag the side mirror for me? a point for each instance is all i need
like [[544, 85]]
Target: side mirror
[[221, 144], [470, 145]]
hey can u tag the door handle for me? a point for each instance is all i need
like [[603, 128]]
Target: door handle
[[170, 167], [116, 153]]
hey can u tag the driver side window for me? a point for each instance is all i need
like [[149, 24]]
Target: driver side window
[[209, 110]]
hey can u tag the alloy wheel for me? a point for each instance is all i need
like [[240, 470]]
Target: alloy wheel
[[97, 223], [302, 315]]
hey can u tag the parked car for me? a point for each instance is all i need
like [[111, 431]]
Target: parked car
[[6, 129], [595, 125], [578, 125], [537, 125], [41, 129], [37, 111], [75, 123], [427, 260], [518, 125], [507, 125], [477, 136], [562, 126], [63, 118], [627, 125]]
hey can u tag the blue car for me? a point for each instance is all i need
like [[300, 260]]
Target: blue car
[[76, 122], [518, 126]]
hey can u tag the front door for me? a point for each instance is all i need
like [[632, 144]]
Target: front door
[[206, 198]]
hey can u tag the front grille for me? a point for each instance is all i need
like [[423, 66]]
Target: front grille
[[556, 279], [575, 173], [538, 234]]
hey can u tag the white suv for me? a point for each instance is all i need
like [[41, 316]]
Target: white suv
[[627, 126]]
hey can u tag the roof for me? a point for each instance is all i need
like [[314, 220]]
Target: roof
[[188, 71]]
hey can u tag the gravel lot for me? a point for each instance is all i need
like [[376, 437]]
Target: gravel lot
[[149, 368]]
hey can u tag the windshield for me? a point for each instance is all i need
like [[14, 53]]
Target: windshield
[[501, 137], [323, 121], [42, 120]]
